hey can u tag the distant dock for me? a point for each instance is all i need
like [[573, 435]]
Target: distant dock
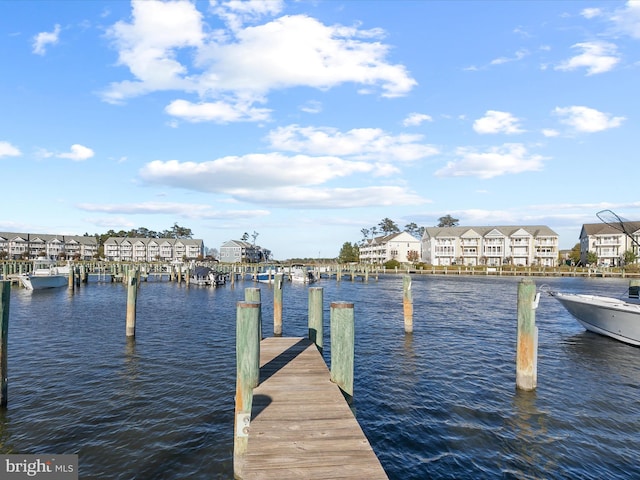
[[301, 424]]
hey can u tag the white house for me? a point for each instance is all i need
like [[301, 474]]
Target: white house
[[490, 245], [609, 244], [396, 246], [238, 251]]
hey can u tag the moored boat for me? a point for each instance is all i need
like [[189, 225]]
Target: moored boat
[[613, 317], [45, 274], [302, 274]]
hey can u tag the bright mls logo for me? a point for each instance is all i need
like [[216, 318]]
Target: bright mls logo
[[51, 467]]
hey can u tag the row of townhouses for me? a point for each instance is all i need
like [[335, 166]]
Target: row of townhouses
[[33, 245], [152, 249], [492, 246]]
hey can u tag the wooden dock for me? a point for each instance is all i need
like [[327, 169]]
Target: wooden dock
[[301, 425]]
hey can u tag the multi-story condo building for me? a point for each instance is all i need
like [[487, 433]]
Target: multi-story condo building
[[491, 245], [33, 245], [396, 246], [608, 243], [126, 249], [239, 251]]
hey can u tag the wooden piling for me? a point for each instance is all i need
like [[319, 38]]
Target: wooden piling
[[132, 299], [5, 296], [527, 336], [71, 277], [634, 288], [342, 332], [316, 330], [407, 303], [253, 294], [247, 376], [277, 305]]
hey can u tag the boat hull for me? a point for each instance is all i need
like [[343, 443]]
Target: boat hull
[[42, 282], [603, 315]]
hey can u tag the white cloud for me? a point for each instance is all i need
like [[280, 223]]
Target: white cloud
[[302, 197], [510, 158], [548, 132], [591, 12], [220, 111], [168, 46], [359, 143], [627, 19], [519, 55], [585, 119], [187, 210], [8, 150], [596, 57], [497, 122], [251, 171], [78, 153], [41, 40], [237, 12], [415, 119]]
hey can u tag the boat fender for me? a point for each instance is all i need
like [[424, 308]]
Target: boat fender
[[536, 301]]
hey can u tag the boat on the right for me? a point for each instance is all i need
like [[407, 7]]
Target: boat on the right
[[613, 317]]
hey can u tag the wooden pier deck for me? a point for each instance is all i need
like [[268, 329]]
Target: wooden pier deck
[[301, 425]]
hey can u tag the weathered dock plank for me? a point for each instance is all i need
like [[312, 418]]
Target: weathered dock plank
[[301, 425]]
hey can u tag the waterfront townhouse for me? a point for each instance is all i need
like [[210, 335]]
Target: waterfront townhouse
[[396, 246], [128, 249], [490, 245], [608, 243], [239, 251], [33, 245]]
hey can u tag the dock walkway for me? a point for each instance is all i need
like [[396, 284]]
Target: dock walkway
[[301, 425]]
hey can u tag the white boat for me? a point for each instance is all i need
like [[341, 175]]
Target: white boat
[[266, 276], [613, 317], [45, 274], [302, 274]]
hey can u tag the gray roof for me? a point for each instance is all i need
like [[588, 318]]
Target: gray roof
[[506, 230], [47, 238]]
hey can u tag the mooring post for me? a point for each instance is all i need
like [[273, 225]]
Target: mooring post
[[342, 331], [253, 294], [5, 296], [527, 340], [71, 283], [407, 304], [132, 299], [316, 329], [247, 376], [277, 305], [634, 288]]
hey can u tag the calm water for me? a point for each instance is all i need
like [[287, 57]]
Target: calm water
[[439, 404]]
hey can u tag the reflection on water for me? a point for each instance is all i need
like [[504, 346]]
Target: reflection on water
[[439, 403]]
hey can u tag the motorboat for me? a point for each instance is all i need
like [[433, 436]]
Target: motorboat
[[613, 317], [45, 274], [302, 274]]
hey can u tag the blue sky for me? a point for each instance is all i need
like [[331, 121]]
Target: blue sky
[[307, 121]]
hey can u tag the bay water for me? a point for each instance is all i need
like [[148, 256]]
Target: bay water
[[440, 403]]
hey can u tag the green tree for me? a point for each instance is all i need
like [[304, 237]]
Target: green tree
[[574, 254], [245, 237], [592, 258], [388, 226], [629, 257], [448, 221], [349, 253], [414, 230]]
